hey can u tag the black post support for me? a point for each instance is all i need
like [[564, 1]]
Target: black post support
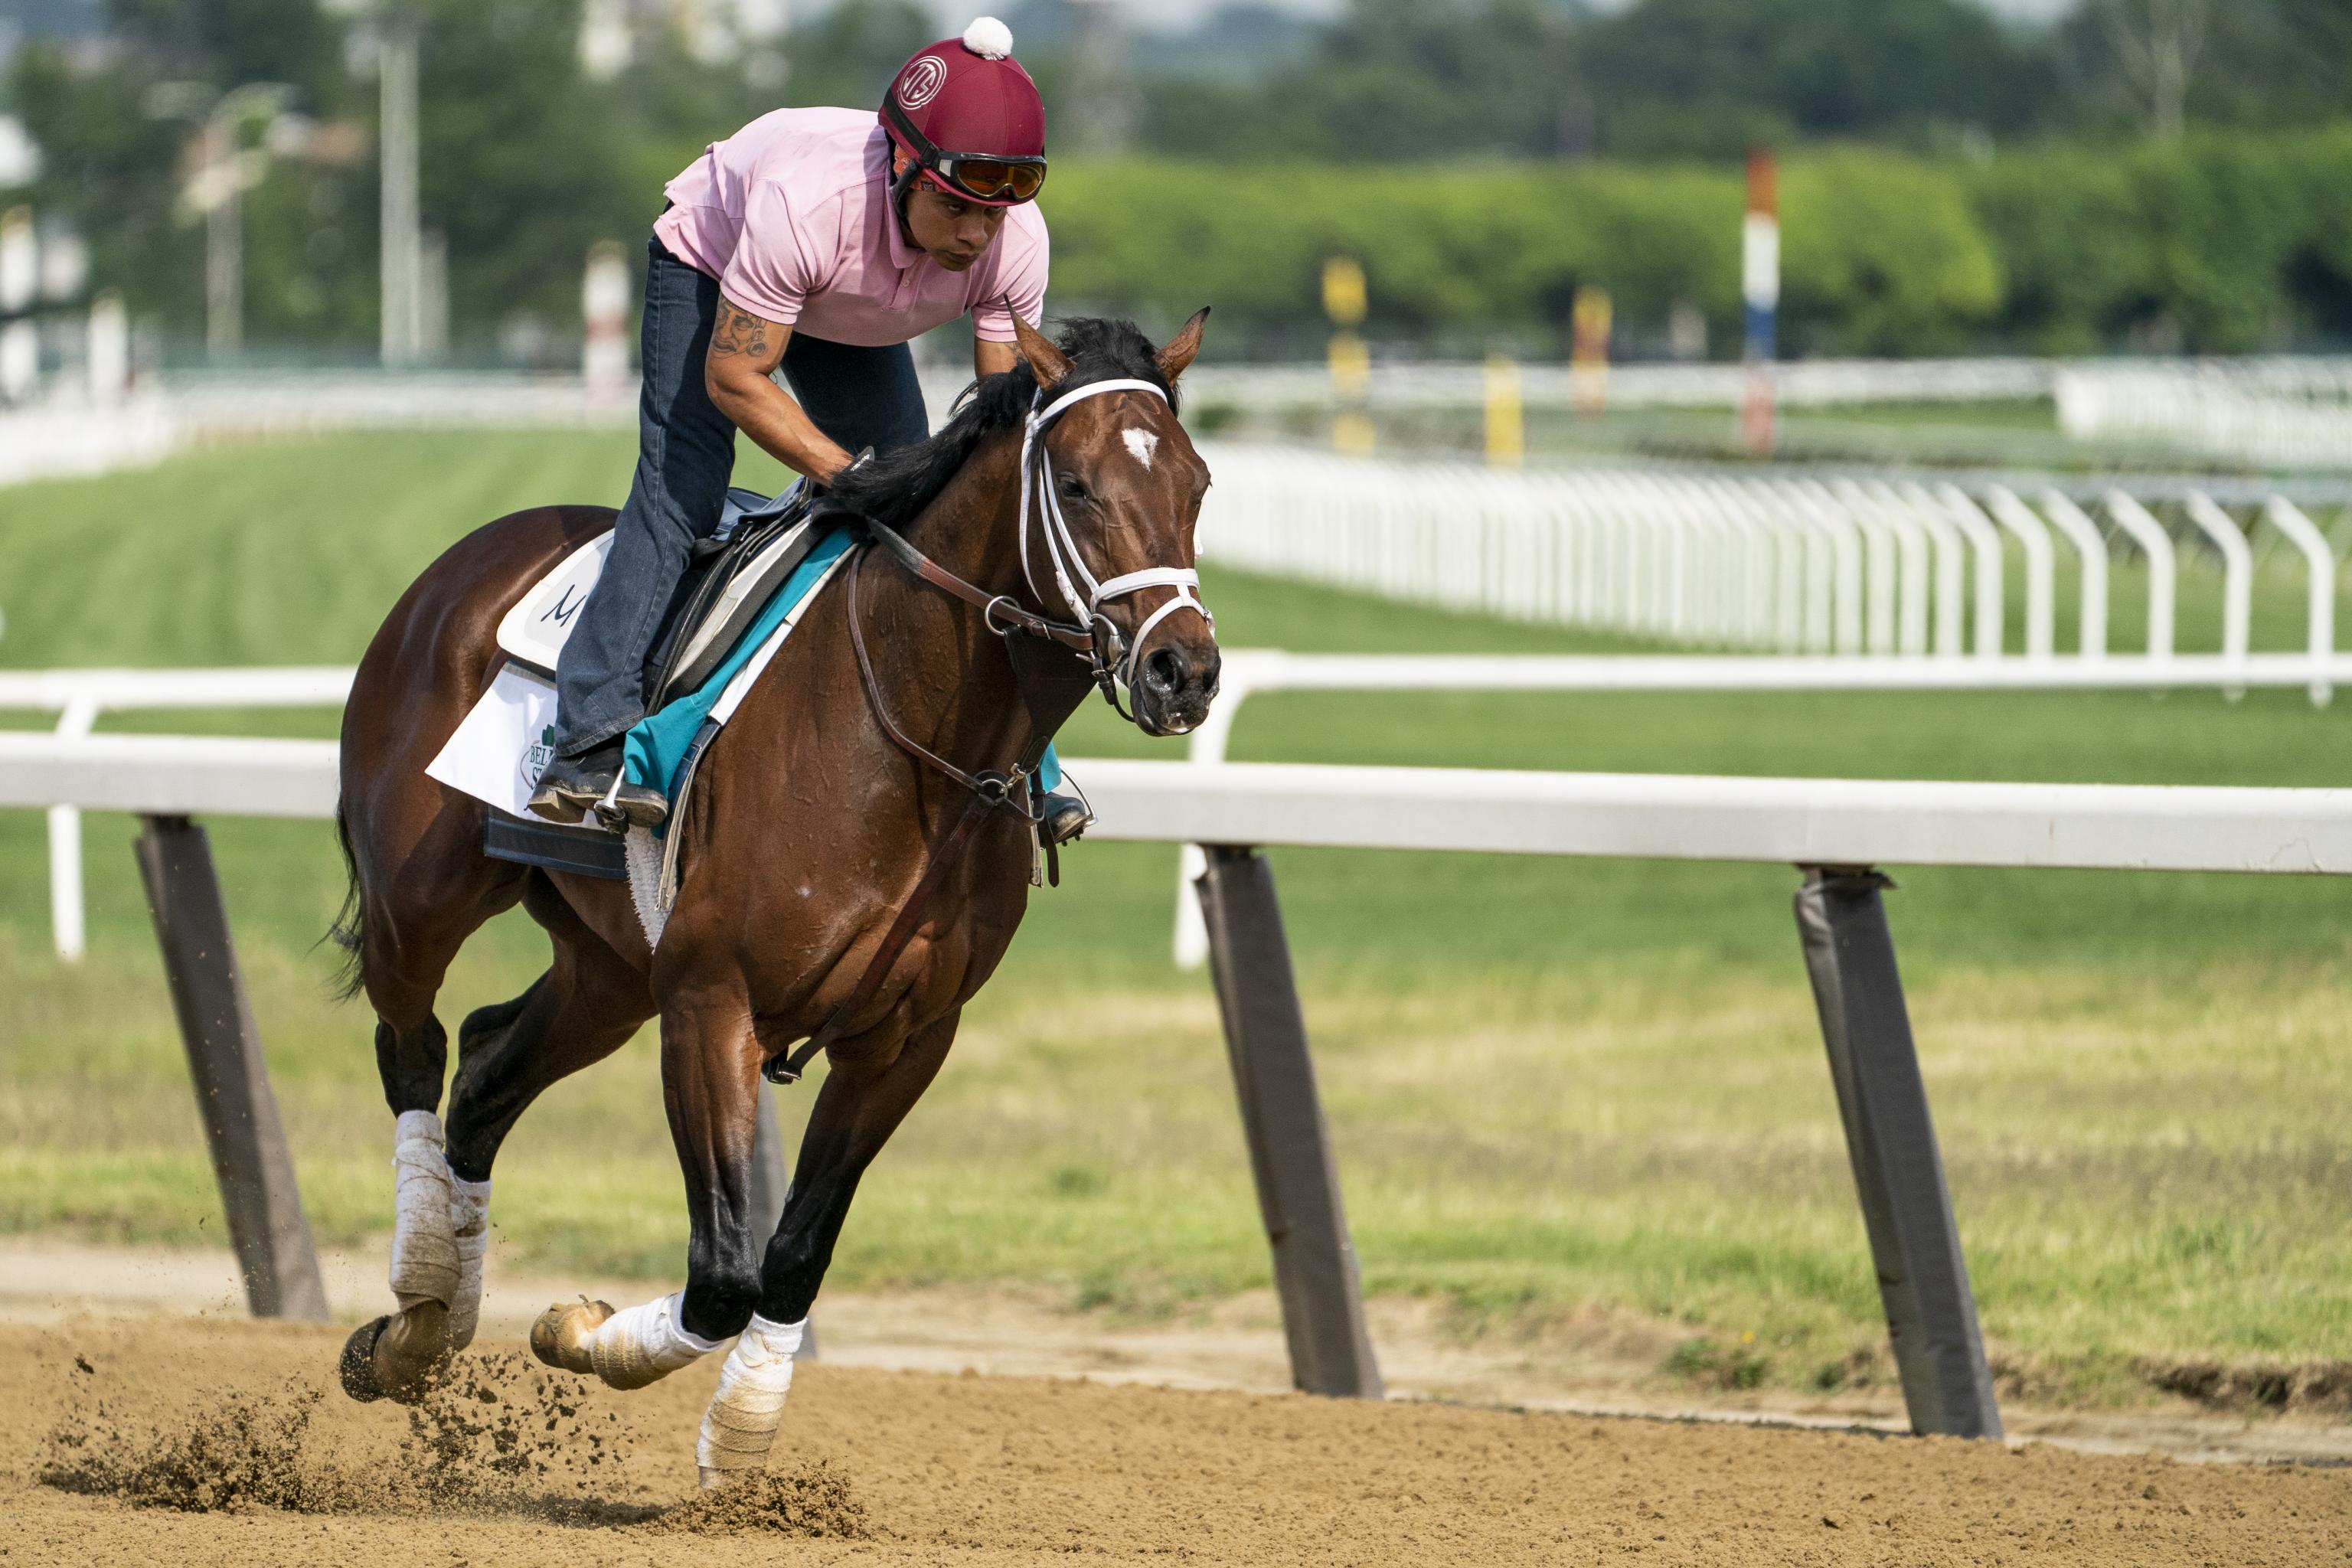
[[771, 1188], [231, 1081], [772, 1174], [1931, 1314], [1289, 1145]]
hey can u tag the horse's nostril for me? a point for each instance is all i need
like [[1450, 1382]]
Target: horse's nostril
[[1165, 669]]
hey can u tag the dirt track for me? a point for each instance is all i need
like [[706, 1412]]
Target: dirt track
[[982, 1470]]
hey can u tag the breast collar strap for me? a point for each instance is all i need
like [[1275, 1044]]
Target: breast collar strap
[[1069, 568]]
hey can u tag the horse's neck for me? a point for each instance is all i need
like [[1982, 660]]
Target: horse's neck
[[979, 708], [972, 527]]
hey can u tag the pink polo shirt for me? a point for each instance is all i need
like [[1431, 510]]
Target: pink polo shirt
[[791, 215]]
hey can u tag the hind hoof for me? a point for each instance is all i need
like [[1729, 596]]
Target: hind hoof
[[398, 1358], [357, 1367], [560, 1337]]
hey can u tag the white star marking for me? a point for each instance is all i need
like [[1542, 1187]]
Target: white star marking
[[1142, 443]]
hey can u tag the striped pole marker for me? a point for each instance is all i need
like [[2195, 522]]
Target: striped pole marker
[[1760, 290]]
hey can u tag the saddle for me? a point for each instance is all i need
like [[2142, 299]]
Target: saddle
[[729, 578]]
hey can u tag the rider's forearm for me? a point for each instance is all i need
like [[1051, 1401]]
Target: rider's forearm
[[778, 426]]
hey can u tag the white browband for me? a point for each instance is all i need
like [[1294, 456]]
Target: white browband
[[1062, 555]]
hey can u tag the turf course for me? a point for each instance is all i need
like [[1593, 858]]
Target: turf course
[[1557, 1087]]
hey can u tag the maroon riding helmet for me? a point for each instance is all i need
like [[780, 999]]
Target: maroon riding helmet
[[970, 117]]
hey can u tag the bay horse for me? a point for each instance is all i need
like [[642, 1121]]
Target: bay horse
[[855, 859]]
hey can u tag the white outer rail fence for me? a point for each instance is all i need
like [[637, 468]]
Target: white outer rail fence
[[79, 697], [2282, 413], [1250, 671], [1916, 566], [1836, 832]]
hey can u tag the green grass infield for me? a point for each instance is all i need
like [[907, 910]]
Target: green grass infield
[[1557, 1088]]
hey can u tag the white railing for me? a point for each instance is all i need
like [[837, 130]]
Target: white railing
[[1814, 383], [1849, 565], [2262, 409], [1791, 821], [2284, 412], [1250, 671], [79, 695], [70, 438]]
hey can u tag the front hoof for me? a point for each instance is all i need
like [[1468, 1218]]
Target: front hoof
[[357, 1367], [560, 1337]]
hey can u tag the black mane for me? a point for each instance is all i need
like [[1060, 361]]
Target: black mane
[[893, 489]]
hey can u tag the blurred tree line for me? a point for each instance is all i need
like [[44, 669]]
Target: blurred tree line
[[1952, 183]]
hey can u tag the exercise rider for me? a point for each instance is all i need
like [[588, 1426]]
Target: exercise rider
[[819, 240]]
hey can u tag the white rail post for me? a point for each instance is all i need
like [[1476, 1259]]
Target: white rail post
[[1991, 621], [1207, 749], [1883, 547], [2237, 579], [1818, 565], [1787, 546], [66, 906], [2040, 584], [1952, 571], [2157, 545], [2084, 534], [1845, 538], [2320, 623], [1917, 566]]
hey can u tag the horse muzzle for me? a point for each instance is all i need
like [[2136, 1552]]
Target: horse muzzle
[[1174, 685]]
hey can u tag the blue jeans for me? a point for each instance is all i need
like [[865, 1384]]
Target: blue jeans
[[859, 396]]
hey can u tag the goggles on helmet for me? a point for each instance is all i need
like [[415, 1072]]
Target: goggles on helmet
[[981, 176]]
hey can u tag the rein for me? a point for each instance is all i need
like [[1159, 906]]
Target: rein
[[1092, 634]]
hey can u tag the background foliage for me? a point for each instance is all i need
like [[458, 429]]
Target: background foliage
[[1950, 184]]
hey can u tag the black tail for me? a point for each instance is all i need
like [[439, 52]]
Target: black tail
[[350, 920]]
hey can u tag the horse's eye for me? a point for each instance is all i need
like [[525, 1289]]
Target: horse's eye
[[1070, 486]]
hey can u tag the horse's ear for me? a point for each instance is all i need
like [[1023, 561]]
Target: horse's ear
[[1179, 349], [1048, 363]]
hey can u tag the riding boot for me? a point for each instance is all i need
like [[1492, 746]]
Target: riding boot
[[1064, 817], [593, 782]]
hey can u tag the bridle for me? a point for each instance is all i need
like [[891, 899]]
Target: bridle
[[1062, 553], [1089, 632]]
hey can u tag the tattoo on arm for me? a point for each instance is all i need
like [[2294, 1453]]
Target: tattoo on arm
[[739, 332]]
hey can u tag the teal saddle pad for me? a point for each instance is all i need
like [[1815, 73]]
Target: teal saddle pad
[[657, 746]]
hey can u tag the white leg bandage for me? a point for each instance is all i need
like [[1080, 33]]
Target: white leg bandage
[[636, 1347], [424, 1246], [469, 1218], [749, 1403]]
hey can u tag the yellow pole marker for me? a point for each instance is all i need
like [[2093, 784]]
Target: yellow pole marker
[[1507, 432], [1588, 361], [1344, 299], [1347, 302]]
